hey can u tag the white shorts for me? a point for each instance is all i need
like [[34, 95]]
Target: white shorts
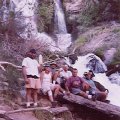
[[47, 87], [33, 83]]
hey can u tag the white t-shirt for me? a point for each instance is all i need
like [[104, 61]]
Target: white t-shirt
[[65, 74], [31, 66]]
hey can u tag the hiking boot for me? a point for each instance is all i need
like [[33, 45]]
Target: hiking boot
[[27, 105], [107, 101], [54, 104], [94, 97], [35, 105]]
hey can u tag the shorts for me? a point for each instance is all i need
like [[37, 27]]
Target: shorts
[[34, 83], [46, 87], [77, 90]]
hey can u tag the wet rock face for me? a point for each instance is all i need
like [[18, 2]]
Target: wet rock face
[[89, 12], [109, 55]]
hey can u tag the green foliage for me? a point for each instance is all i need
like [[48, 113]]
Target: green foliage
[[100, 52], [12, 14], [93, 11], [116, 58], [12, 75], [81, 40], [116, 30], [89, 15], [1, 3], [45, 15]]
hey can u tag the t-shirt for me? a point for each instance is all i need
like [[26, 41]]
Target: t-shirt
[[31, 66], [74, 82], [91, 83], [65, 74]]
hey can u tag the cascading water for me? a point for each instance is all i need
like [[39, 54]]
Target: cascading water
[[59, 18], [5, 10], [25, 11], [82, 66], [63, 38]]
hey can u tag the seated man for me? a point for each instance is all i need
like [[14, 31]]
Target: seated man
[[97, 84], [93, 90], [54, 71], [77, 85], [64, 75]]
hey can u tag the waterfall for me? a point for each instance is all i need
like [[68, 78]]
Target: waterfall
[[25, 14], [95, 64], [5, 11], [59, 18], [113, 87], [63, 38], [25, 9], [12, 6]]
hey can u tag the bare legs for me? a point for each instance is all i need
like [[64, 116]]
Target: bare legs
[[29, 92]]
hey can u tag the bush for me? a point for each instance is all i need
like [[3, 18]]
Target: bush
[[12, 75], [81, 40], [116, 58], [100, 53], [90, 13], [45, 15], [97, 11]]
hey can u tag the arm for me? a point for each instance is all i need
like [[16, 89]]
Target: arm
[[41, 77], [67, 85], [25, 74], [85, 85], [40, 67]]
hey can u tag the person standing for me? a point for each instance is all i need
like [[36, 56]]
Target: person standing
[[31, 74]]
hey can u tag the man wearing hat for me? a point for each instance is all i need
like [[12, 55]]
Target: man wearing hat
[[31, 74]]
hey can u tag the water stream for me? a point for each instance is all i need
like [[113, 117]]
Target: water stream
[[113, 87], [63, 37], [26, 10]]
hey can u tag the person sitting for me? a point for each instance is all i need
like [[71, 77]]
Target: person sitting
[[55, 72], [48, 86], [93, 90], [64, 75], [97, 84], [77, 85]]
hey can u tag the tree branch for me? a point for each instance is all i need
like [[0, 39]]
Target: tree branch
[[8, 63]]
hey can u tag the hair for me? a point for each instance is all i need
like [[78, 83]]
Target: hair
[[85, 73], [74, 69], [92, 73], [33, 51]]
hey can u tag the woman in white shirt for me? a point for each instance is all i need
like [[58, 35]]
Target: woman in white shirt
[[48, 86]]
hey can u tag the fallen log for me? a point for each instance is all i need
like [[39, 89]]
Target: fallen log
[[105, 108], [8, 63]]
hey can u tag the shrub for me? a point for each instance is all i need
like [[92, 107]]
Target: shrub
[[45, 15], [81, 40], [96, 11], [89, 13], [100, 52], [116, 59]]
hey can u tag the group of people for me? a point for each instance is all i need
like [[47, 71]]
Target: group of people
[[53, 81]]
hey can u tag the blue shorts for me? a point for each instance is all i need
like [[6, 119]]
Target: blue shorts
[[77, 90]]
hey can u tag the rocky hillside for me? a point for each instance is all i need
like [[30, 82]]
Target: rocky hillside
[[95, 26]]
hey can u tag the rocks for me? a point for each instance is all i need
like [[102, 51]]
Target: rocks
[[60, 113], [73, 6], [98, 110], [109, 55]]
